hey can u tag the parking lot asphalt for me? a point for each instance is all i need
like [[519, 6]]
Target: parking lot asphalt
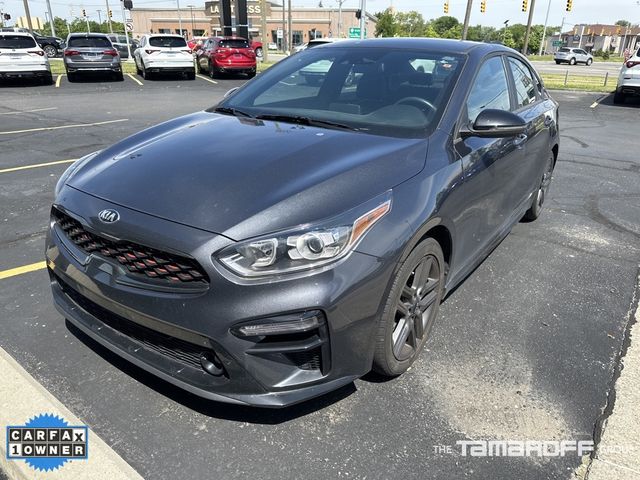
[[525, 349]]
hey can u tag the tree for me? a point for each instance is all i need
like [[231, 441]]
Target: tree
[[623, 23], [386, 25], [80, 25], [411, 24], [444, 24], [507, 38]]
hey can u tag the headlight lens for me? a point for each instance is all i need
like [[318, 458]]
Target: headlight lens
[[68, 173], [301, 249]]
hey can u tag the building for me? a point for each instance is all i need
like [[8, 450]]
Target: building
[[612, 38], [306, 23]]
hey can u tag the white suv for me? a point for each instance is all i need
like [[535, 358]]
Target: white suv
[[573, 56], [20, 56], [164, 54], [629, 79]]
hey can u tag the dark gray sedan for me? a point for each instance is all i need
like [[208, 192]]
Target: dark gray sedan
[[298, 235], [91, 53]]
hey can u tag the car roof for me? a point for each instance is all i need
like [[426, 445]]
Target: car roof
[[440, 44], [87, 35], [22, 34], [151, 35]]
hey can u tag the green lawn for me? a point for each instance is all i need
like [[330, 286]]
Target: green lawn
[[578, 82]]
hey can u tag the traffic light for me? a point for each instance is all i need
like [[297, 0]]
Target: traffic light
[[483, 6], [525, 5], [84, 13], [358, 14], [446, 7], [128, 4], [110, 13], [569, 5], [7, 16]]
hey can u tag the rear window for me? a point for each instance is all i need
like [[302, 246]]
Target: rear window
[[16, 41], [235, 43], [564, 49], [168, 42], [89, 42]]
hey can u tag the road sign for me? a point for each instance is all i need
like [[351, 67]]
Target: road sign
[[129, 26], [557, 43], [354, 32], [280, 33]]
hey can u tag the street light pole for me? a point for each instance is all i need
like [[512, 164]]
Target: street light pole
[[467, 16], [193, 26], [525, 47], [363, 16], [179, 17], [544, 31], [53, 28], [109, 17], [28, 14]]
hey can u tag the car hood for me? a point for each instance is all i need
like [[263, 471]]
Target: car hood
[[242, 177]]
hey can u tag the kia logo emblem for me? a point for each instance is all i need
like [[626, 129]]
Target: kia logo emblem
[[109, 216]]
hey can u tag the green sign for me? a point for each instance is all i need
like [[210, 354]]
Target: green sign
[[354, 32], [557, 43]]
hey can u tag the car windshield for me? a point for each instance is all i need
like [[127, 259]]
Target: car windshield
[[16, 41], [89, 42], [373, 90], [167, 42], [234, 43]]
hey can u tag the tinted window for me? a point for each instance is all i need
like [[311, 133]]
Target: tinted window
[[89, 42], [235, 43], [376, 90], [489, 89], [564, 49], [525, 87], [16, 41], [169, 42]]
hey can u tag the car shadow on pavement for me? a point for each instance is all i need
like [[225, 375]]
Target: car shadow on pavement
[[21, 82], [95, 78], [211, 408], [629, 102]]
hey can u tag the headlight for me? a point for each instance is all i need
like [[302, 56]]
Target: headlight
[[68, 173], [304, 248]]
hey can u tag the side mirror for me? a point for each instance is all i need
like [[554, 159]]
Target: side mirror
[[492, 123], [229, 92]]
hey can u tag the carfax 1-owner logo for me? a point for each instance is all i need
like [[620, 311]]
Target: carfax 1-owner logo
[[46, 442]]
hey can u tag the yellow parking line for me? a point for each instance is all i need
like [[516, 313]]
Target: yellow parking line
[[29, 111], [36, 165], [207, 79], [135, 79], [58, 80], [12, 272], [594, 104], [64, 126]]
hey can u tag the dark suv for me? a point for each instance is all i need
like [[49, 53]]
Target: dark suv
[[51, 45]]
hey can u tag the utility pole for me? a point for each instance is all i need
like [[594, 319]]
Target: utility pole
[[100, 16], [179, 17], [126, 34], [340, 2], [363, 17], [109, 17], [525, 47], [265, 40], [581, 34], [28, 14], [283, 40], [193, 26], [544, 31], [467, 16], [53, 28], [289, 24]]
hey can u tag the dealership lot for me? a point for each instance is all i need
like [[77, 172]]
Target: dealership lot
[[525, 348]]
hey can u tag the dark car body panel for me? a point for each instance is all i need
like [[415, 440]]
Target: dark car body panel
[[176, 187]]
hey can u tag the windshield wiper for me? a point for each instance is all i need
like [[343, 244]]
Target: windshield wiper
[[300, 120], [233, 111]]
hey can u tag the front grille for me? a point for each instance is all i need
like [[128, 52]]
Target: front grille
[[138, 259], [184, 352], [307, 360]]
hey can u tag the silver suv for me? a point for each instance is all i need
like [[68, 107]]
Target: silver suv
[[573, 56], [629, 79], [91, 52]]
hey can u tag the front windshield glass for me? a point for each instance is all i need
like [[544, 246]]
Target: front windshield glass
[[393, 92]]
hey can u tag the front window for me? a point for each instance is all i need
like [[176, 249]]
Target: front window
[[525, 87], [489, 89], [167, 42], [373, 90]]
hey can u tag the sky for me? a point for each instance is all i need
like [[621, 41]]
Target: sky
[[584, 11]]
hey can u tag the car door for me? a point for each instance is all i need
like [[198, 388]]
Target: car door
[[489, 164], [529, 105]]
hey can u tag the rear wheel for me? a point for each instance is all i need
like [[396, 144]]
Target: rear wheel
[[558, 62], [191, 75], [618, 97], [47, 79], [138, 71], [259, 52], [213, 73], [251, 74], [572, 61], [538, 199], [145, 74], [50, 51], [72, 77], [410, 310], [589, 62], [118, 77]]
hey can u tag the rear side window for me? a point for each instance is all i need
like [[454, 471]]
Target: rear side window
[[89, 42], [489, 89], [235, 43], [525, 87], [16, 41], [167, 42]]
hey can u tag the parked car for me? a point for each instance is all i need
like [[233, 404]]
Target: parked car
[[221, 55], [629, 79], [21, 56], [51, 45], [196, 42], [119, 42], [257, 48], [573, 56], [316, 42], [163, 53], [286, 241], [91, 53]]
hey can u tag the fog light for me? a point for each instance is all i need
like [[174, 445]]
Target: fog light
[[281, 325]]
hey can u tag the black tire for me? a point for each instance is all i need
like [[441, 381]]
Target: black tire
[[146, 75], [191, 75], [47, 79], [118, 77], [72, 77], [138, 71], [558, 62], [50, 51], [251, 74], [259, 52], [212, 71], [589, 62], [537, 203], [618, 98], [415, 294], [572, 61]]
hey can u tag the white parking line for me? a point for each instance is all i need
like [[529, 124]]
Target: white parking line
[[59, 79], [207, 79], [36, 165], [594, 104], [95, 124], [29, 111], [135, 79]]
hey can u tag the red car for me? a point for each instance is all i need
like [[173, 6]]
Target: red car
[[257, 47], [220, 55]]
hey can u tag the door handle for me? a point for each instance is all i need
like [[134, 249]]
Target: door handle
[[547, 121], [520, 139]]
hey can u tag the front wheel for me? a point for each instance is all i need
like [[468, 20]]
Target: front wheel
[[589, 62], [410, 310], [572, 61], [539, 197], [558, 62], [50, 51]]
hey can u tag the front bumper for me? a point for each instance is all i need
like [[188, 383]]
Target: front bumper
[[167, 332]]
